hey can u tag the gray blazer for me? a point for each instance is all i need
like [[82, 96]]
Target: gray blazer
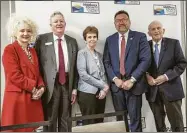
[[91, 77], [47, 59]]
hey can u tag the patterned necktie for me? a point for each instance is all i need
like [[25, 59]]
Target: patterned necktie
[[122, 58], [62, 74], [156, 54]]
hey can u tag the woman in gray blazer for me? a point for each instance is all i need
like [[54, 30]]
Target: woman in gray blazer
[[92, 86]]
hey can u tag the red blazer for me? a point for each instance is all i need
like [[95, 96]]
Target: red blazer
[[20, 77]]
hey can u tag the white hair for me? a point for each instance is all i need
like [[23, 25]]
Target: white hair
[[13, 26]]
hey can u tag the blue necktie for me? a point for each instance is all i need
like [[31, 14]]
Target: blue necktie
[[156, 54]]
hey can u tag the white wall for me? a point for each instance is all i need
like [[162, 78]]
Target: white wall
[[5, 12], [140, 15]]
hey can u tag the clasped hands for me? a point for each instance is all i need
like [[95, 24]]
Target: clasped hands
[[37, 93], [158, 81], [103, 92], [126, 85]]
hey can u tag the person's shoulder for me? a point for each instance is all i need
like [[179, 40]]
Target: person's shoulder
[[138, 33], [45, 34], [69, 37], [113, 35], [82, 53], [170, 39], [9, 47], [84, 50]]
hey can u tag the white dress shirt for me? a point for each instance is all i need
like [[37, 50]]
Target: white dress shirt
[[65, 52]]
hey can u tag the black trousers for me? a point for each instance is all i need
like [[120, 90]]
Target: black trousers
[[58, 109], [173, 111], [89, 105]]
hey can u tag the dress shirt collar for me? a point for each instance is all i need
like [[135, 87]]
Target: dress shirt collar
[[126, 34], [56, 37], [159, 42]]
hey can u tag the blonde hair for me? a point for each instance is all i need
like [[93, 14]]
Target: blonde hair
[[13, 26]]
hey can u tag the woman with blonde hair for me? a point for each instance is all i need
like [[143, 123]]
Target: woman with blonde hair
[[24, 85]]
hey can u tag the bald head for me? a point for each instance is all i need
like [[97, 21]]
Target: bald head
[[156, 30], [155, 22]]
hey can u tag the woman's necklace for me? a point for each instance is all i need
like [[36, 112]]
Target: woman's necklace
[[28, 53]]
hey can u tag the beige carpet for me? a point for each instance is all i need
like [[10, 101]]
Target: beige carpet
[[116, 126]]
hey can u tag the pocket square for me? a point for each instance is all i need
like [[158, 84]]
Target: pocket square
[[48, 43], [131, 38]]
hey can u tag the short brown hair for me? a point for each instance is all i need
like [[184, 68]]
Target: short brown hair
[[90, 29], [121, 12]]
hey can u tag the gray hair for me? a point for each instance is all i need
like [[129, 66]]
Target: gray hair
[[13, 26], [54, 14]]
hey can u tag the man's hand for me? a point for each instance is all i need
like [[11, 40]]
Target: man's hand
[[73, 96], [151, 81], [127, 85], [160, 79], [118, 82]]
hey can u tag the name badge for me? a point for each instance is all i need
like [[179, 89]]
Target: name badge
[[48, 43]]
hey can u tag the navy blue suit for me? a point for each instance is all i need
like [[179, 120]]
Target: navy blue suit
[[172, 63], [137, 61], [169, 94]]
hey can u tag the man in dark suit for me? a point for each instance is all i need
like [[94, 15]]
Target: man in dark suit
[[126, 58], [168, 63], [57, 53]]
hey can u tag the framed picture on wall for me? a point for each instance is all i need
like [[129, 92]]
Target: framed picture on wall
[[165, 10], [127, 2], [85, 7]]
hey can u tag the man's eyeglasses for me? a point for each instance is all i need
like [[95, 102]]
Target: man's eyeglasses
[[121, 20]]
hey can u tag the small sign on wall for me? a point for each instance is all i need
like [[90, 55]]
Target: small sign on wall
[[85, 7], [165, 9], [127, 2]]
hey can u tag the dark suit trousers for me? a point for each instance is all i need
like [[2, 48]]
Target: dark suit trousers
[[173, 111], [89, 105], [58, 109], [125, 100]]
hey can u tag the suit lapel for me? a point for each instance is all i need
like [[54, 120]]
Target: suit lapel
[[152, 54], [22, 55], [129, 42], [69, 48], [115, 48], [162, 51], [49, 38]]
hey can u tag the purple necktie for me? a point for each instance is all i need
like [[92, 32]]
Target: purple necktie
[[62, 74]]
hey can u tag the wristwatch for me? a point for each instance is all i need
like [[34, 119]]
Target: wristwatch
[[132, 80]]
